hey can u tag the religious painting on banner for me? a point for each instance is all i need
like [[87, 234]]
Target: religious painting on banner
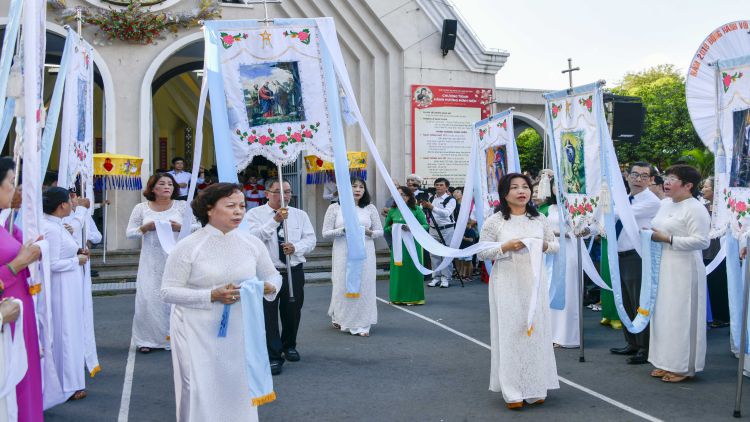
[[576, 138], [275, 91], [498, 156], [732, 163], [76, 136], [442, 121]]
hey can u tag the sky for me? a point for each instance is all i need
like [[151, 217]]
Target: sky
[[605, 38]]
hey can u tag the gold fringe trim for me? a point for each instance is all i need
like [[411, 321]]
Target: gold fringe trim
[[529, 331], [95, 371], [643, 312], [268, 398], [352, 295], [35, 289], [398, 264], [169, 338]]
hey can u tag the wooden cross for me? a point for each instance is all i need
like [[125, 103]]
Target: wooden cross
[[570, 71]]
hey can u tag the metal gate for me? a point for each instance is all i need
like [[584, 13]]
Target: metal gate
[[293, 174]]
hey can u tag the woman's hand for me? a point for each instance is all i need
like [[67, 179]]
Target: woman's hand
[[268, 288], [9, 311], [176, 227], [368, 232], [150, 226], [82, 259], [544, 246], [227, 295], [513, 245], [659, 236], [29, 253], [743, 252]]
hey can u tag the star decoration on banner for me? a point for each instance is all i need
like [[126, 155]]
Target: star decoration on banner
[[266, 38]]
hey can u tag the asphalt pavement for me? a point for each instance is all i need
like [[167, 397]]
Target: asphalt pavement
[[421, 363]]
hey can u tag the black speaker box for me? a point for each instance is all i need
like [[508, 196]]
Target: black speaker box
[[627, 121], [448, 39]]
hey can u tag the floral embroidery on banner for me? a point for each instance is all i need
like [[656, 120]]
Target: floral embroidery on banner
[[739, 208], [503, 124], [581, 211], [586, 102], [281, 139], [482, 133], [81, 150], [727, 79], [556, 108], [228, 39], [303, 36]]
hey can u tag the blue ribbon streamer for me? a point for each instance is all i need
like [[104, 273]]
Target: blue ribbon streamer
[[224, 320], [53, 114]]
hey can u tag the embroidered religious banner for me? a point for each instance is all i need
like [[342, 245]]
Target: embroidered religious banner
[[732, 147], [76, 136], [575, 137], [275, 91], [498, 156]]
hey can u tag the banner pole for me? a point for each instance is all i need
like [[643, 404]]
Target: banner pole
[[743, 339], [286, 235], [581, 356]]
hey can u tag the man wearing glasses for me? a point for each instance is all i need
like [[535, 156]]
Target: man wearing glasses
[[645, 205], [265, 222]]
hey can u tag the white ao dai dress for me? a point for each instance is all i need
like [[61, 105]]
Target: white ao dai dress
[[151, 318], [209, 371], [678, 322], [522, 367], [355, 315], [67, 297], [564, 322]]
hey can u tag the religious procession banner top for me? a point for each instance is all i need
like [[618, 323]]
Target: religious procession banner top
[[498, 156], [573, 128], [275, 89], [76, 136], [733, 147]]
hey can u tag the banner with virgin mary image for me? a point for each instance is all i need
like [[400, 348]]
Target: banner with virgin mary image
[[498, 156], [76, 136]]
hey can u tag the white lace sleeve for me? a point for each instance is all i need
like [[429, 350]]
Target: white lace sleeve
[[136, 221], [265, 269], [376, 226], [329, 230], [553, 245], [176, 275], [491, 233]]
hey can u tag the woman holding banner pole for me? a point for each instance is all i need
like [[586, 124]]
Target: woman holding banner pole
[[678, 323], [523, 361]]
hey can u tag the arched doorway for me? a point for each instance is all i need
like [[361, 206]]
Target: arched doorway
[[529, 134], [104, 105]]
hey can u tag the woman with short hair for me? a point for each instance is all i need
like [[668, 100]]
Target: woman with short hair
[[678, 320], [202, 275], [349, 314], [151, 318]]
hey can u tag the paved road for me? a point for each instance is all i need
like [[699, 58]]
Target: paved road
[[413, 368]]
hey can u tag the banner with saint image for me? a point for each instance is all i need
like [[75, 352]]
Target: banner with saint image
[[76, 136], [498, 156], [275, 90]]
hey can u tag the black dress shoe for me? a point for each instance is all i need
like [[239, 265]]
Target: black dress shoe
[[292, 355], [627, 350], [640, 358], [275, 368]]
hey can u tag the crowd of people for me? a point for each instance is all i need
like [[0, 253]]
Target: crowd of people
[[240, 232]]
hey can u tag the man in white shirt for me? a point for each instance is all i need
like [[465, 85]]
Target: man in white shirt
[[645, 205], [440, 217], [264, 222], [182, 177]]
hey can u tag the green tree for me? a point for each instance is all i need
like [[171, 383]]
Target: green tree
[[700, 158], [530, 150], [667, 131]]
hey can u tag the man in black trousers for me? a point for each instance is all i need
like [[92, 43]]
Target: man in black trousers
[[645, 205], [265, 222]]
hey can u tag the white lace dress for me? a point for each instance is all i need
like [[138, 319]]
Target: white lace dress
[[355, 315], [151, 319], [523, 367]]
